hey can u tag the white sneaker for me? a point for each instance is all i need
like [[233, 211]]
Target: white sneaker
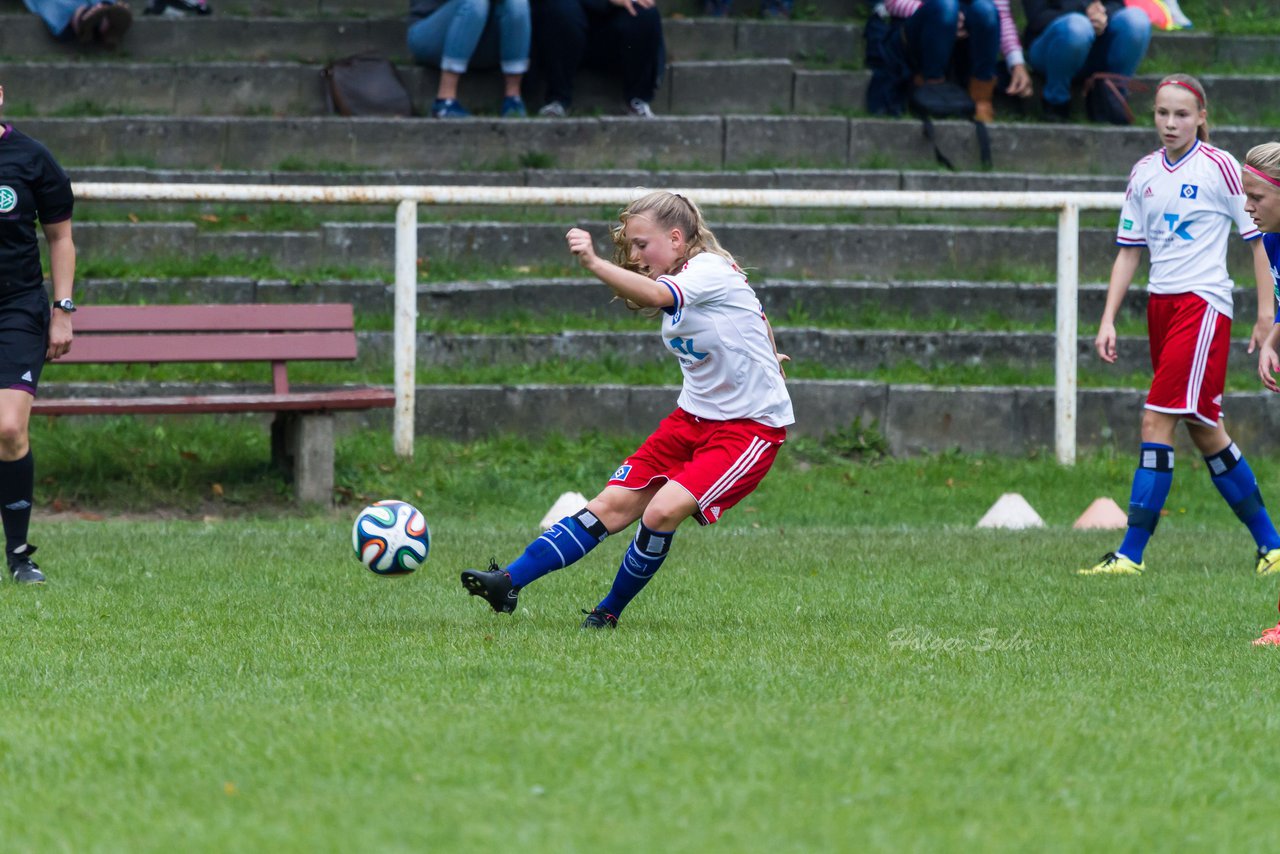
[[554, 110], [639, 108]]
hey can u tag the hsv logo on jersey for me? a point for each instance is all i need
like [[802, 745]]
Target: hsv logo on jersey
[[621, 473], [1189, 191]]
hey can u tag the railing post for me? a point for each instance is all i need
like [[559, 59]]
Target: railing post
[[406, 325], [1064, 422]]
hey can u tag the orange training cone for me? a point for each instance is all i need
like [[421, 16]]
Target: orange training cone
[[1103, 513]]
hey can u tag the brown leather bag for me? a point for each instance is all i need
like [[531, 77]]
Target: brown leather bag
[[365, 85]]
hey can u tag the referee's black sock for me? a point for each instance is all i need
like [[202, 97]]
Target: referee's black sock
[[17, 487]]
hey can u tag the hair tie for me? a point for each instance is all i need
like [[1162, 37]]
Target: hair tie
[[1275, 182], [1187, 86]]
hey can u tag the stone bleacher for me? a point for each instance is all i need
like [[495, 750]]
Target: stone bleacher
[[746, 103]]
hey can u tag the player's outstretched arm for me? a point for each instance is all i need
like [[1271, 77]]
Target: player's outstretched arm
[[639, 289]]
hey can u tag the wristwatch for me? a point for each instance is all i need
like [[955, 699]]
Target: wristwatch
[[66, 305]]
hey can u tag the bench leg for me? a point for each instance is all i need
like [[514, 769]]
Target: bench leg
[[302, 443]]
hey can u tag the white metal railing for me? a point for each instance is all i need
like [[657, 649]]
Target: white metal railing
[[407, 199]]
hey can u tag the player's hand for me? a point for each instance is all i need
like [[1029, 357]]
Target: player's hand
[[59, 335], [1020, 82], [1268, 367], [581, 245], [1261, 329], [782, 357], [1105, 343], [961, 32]]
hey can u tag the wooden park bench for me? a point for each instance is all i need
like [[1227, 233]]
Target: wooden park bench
[[302, 431]]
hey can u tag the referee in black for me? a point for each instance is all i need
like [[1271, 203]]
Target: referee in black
[[33, 188]]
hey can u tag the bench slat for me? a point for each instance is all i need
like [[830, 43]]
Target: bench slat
[[211, 347], [256, 317], [318, 401]]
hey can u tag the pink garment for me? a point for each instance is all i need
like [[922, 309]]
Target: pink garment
[[1010, 46]]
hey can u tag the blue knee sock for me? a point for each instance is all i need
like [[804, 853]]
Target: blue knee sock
[[1151, 484], [568, 540], [645, 554], [1235, 480]]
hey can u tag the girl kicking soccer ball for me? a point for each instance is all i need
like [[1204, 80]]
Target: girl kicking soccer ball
[[1180, 205], [729, 422], [1261, 177]]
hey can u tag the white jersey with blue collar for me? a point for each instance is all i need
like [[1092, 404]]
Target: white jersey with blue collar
[[1183, 212], [716, 329]]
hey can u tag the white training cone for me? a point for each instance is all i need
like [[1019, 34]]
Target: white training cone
[[565, 504], [1104, 514], [1011, 510]]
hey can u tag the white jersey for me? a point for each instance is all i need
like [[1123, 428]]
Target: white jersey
[[716, 328], [1182, 212]]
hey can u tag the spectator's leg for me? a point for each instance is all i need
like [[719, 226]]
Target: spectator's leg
[[57, 14], [1122, 45], [630, 46], [931, 36], [983, 25], [1060, 52], [447, 38], [505, 43], [560, 30]]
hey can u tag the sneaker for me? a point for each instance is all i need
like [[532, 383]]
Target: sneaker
[[1271, 637], [554, 110], [494, 585], [448, 108], [513, 108], [597, 619], [1268, 562], [641, 109], [1114, 564], [177, 8], [23, 569]]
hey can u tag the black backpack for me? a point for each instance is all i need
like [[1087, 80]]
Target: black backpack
[[1105, 98], [946, 100], [886, 56]]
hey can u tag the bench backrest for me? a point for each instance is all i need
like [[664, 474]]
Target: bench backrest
[[254, 332]]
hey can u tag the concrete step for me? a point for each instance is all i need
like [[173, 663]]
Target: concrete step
[[836, 349], [756, 179], [806, 251], [969, 303], [913, 419], [290, 34], [321, 39], [705, 142]]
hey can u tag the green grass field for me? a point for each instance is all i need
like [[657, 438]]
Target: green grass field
[[843, 663]]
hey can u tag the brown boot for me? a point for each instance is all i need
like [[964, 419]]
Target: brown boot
[[981, 91]]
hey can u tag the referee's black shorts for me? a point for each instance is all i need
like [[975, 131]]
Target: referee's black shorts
[[24, 337]]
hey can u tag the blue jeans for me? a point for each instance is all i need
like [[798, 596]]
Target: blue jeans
[[931, 37], [465, 31], [1068, 49], [57, 14]]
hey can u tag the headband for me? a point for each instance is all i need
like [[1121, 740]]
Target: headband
[[1275, 182], [1191, 89]]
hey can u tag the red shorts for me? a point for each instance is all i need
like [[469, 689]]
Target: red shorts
[[718, 462], [1189, 345]]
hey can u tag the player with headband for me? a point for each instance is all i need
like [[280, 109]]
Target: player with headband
[[1180, 204], [1261, 178]]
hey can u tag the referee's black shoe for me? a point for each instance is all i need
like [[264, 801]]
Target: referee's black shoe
[[494, 585], [22, 568]]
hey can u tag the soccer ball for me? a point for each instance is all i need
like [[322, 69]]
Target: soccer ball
[[391, 538]]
